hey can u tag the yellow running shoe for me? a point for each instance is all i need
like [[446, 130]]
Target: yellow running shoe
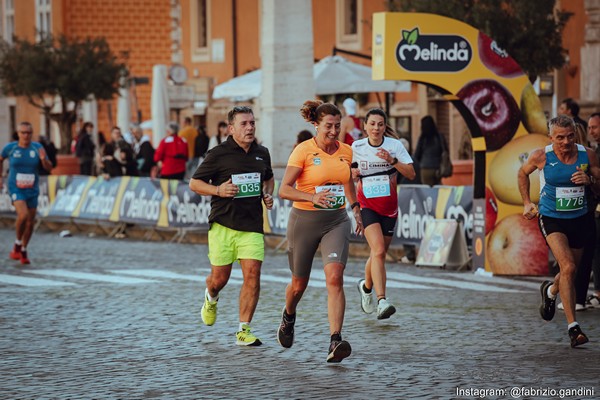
[[209, 310], [247, 338]]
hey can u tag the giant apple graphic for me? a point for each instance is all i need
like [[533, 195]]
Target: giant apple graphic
[[503, 170], [516, 247], [495, 110], [491, 210], [497, 59], [532, 111]]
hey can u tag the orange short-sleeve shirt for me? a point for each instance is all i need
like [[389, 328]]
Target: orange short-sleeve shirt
[[319, 168]]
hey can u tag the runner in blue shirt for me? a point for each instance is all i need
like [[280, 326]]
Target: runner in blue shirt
[[565, 169], [24, 157]]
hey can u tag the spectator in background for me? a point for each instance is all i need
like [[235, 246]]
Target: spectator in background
[[117, 156], [200, 146], [570, 108], [143, 151], [50, 152], [85, 149], [222, 133], [189, 133], [303, 136], [428, 154], [351, 128], [172, 154], [99, 153]]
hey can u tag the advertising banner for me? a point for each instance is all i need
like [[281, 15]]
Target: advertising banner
[[170, 203], [69, 198], [141, 201], [499, 105], [186, 208], [101, 199]]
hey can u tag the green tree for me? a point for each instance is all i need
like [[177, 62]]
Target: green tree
[[529, 30], [64, 71]]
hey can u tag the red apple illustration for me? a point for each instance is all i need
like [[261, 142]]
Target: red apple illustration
[[494, 109], [497, 59], [491, 210], [516, 247]]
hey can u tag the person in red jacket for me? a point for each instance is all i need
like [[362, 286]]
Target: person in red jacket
[[172, 154]]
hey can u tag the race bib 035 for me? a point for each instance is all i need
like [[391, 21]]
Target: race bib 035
[[248, 184]]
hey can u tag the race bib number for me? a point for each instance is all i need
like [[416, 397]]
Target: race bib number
[[248, 184], [25, 181], [570, 198], [376, 186], [335, 190]]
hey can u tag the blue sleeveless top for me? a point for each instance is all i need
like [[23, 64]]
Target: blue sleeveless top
[[559, 197]]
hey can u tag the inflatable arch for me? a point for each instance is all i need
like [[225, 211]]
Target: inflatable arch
[[503, 114]]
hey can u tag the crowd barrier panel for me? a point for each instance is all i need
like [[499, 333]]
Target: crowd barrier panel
[[161, 205]]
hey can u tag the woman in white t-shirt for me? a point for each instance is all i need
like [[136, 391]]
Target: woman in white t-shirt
[[377, 159], [220, 137]]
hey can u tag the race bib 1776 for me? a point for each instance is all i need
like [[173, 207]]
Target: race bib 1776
[[570, 198]]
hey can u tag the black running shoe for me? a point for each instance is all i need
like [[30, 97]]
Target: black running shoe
[[285, 332], [338, 350], [577, 336], [548, 305]]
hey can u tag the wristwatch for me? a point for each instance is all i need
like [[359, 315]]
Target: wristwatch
[[394, 161]]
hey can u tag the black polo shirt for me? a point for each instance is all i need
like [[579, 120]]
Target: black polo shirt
[[225, 160]]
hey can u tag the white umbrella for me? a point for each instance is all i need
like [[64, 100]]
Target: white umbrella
[[333, 75], [159, 103], [336, 75], [240, 88]]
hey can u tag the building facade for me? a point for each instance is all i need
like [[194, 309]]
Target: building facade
[[207, 42]]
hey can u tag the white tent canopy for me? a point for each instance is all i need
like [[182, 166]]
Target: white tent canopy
[[333, 75]]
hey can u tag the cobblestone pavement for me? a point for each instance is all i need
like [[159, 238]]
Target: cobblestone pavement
[[110, 319]]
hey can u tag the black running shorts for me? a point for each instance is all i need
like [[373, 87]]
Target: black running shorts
[[370, 217], [575, 229]]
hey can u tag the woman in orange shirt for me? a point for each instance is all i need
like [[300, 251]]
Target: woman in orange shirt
[[318, 180]]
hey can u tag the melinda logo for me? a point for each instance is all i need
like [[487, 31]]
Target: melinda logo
[[433, 53]]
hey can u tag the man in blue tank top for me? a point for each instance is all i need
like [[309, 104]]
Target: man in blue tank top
[[24, 157], [566, 168]]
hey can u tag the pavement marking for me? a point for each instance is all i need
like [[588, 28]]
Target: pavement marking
[[26, 281], [446, 282], [351, 281], [158, 273], [495, 280], [89, 276]]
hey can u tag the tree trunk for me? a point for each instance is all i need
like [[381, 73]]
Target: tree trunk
[[65, 123]]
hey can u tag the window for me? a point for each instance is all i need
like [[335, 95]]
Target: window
[[349, 15], [43, 17], [200, 30], [8, 23]]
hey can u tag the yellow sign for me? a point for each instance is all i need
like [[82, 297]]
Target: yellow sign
[[494, 96]]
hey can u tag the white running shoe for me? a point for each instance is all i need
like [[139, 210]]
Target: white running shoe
[[593, 301], [578, 307], [366, 299], [385, 309]]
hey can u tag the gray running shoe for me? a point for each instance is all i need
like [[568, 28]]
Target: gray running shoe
[[338, 350], [285, 332]]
